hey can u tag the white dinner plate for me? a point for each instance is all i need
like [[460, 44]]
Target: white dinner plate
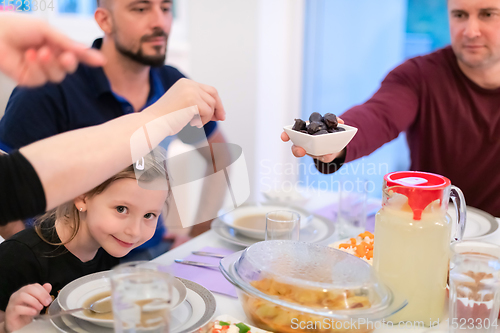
[[76, 293], [317, 230], [260, 209], [479, 224], [194, 313]]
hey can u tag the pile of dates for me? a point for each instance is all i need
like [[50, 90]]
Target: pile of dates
[[318, 124]]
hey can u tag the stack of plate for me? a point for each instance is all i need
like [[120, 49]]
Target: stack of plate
[[479, 224], [313, 228], [192, 305]]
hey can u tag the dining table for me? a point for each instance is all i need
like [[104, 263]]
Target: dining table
[[230, 305]]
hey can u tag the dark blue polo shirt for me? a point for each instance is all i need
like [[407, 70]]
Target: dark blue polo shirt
[[83, 99]]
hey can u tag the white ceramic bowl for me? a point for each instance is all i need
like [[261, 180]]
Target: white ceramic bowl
[[319, 145], [77, 292], [259, 231]]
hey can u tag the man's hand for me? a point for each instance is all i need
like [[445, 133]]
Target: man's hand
[[26, 303], [34, 53], [300, 152]]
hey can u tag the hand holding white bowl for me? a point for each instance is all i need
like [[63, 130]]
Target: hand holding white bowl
[[325, 147]]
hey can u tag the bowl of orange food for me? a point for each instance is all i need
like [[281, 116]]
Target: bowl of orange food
[[360, 246], [288, 286]]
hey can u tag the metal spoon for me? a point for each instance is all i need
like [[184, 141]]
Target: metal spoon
[[100, 306]]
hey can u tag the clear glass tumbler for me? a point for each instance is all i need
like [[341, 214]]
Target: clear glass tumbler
[[141, 297], [474, 287], [352, 211], [282, 225]]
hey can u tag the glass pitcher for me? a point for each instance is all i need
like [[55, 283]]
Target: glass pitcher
[[412, 241]]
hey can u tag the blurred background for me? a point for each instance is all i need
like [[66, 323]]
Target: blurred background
[[276, 60]]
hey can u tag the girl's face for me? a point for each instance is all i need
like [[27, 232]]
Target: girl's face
[[123, 216]]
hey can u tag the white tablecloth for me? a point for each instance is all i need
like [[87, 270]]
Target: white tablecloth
[[229, 305]]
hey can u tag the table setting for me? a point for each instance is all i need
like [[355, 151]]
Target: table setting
[[309, 261], [210, 295]]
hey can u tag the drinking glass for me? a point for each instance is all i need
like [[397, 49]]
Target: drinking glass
[[282, 225], [141, 297], [474, 287], [352, 211]]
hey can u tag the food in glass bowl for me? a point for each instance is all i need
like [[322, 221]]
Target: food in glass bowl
[[322, 298], [281, 319], [288, 286]]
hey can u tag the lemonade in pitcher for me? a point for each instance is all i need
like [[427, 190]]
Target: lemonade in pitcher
[[412, 235]]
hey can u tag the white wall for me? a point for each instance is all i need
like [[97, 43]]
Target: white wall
[[223, 53], [279, 90], [251, 52], [6, 86]]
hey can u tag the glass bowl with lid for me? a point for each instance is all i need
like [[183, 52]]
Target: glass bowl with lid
[[290, 286]]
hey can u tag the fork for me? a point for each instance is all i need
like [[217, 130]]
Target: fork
[[208, 254], [195, 263]]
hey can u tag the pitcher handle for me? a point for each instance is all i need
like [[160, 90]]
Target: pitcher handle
[[458, 199]]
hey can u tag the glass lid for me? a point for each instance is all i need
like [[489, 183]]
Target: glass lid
[[310, 278]]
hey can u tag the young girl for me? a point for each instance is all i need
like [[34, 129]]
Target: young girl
[[81, 237]]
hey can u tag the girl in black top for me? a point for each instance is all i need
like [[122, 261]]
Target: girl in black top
[[47, 173], [81, 237]]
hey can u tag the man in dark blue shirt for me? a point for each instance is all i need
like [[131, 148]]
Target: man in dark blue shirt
[[134, 77]]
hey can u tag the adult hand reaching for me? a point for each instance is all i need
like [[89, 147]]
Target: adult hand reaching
[[185, 93], [34, 53], [185, 102], [86, 156], [300, 152]]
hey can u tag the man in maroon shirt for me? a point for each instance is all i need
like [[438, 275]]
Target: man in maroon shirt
[[448, 103]]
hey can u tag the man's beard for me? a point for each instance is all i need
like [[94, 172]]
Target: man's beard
[[139, 56], [476, 62]]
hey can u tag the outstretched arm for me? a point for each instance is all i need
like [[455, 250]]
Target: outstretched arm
[[74, 162], [391, 110]]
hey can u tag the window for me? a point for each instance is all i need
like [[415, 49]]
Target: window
[[426, 27], [349, 48], [83, 7]]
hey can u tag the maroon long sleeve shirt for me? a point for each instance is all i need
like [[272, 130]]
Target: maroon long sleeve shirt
[[452, 125]]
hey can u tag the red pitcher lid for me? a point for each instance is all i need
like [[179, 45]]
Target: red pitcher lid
[[421, 188]]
